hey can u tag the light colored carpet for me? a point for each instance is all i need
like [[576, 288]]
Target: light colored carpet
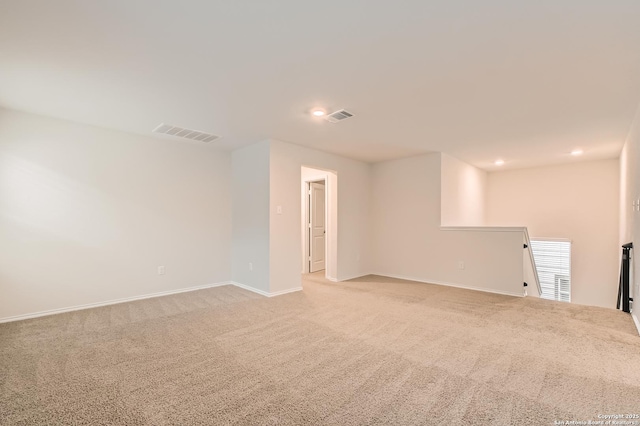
[[369, 351]]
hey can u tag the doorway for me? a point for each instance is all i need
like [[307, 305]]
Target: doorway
[[316, 223], [319, 221]]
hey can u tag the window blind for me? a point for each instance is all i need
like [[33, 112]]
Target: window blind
[[553, 263]]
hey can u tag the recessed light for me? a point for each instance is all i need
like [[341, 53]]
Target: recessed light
[[577, 152], [318, 112], [499, 162]]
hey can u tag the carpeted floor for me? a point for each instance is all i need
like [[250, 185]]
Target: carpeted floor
[[368, 351]]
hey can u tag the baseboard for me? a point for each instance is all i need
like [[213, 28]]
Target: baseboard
[[265, 293], [287, 291], [399, 277], [352, 277], [110, 302], [255, 290], [636, 321]]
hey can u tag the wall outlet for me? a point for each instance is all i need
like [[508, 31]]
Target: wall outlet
[[161, 270], [460, 264], [279, 209], [250, 266]]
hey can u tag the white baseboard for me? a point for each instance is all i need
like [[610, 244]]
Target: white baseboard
[[352, 277], [144, 296], [243, 286], [110, 302], [337, 280], [265, 293], [636, 321], [287, 291], [255, 290], [400, 277]]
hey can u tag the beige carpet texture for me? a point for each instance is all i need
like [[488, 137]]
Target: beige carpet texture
[[370, 351]]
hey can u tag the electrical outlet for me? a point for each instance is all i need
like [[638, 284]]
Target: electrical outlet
[[161, 270], [279, 209], [250, 266], [460, 264]]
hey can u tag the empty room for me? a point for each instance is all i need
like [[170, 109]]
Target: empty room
[[341, 213]]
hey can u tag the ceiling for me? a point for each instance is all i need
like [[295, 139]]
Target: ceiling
[[523, 81]]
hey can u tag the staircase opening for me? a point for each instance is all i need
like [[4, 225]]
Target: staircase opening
[[553, 264]]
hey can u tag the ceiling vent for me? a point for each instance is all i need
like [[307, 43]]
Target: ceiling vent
[[181, 132], [334, 117]]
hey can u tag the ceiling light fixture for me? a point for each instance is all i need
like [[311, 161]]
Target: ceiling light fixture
[[318, 112], [577, 152], [499, 162]]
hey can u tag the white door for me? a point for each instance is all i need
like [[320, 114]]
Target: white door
[[316, 227]]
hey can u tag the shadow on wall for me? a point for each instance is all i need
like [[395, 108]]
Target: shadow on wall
[[46, 202]]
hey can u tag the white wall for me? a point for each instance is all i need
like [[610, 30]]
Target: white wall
[[250, 189], [87, 215], [630, 191], [578, 201], [353, 210], [409, 243], [463, 189]]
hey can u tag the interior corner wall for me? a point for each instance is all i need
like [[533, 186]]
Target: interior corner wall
[[577, 201], [251, 197], [88, 214], [630, 192], [463, 193], [409, 243], [353, 195]]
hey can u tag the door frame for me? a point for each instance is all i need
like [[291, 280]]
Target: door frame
[[307, 222], [330, 177]]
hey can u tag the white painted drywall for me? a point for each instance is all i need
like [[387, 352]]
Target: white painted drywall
[[87, 214], [577, 201], [251, 194], [628, 188], [630, 192], [463, 189], [353, 210], [409, 243]]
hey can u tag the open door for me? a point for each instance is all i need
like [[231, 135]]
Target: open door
[[319, 222], [317, 226]]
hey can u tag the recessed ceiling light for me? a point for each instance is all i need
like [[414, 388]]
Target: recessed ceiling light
[[499, 162], [577, 152], [318, 112]]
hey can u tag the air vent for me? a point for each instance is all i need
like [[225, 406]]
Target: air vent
[[334, 117], [181, 132]]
